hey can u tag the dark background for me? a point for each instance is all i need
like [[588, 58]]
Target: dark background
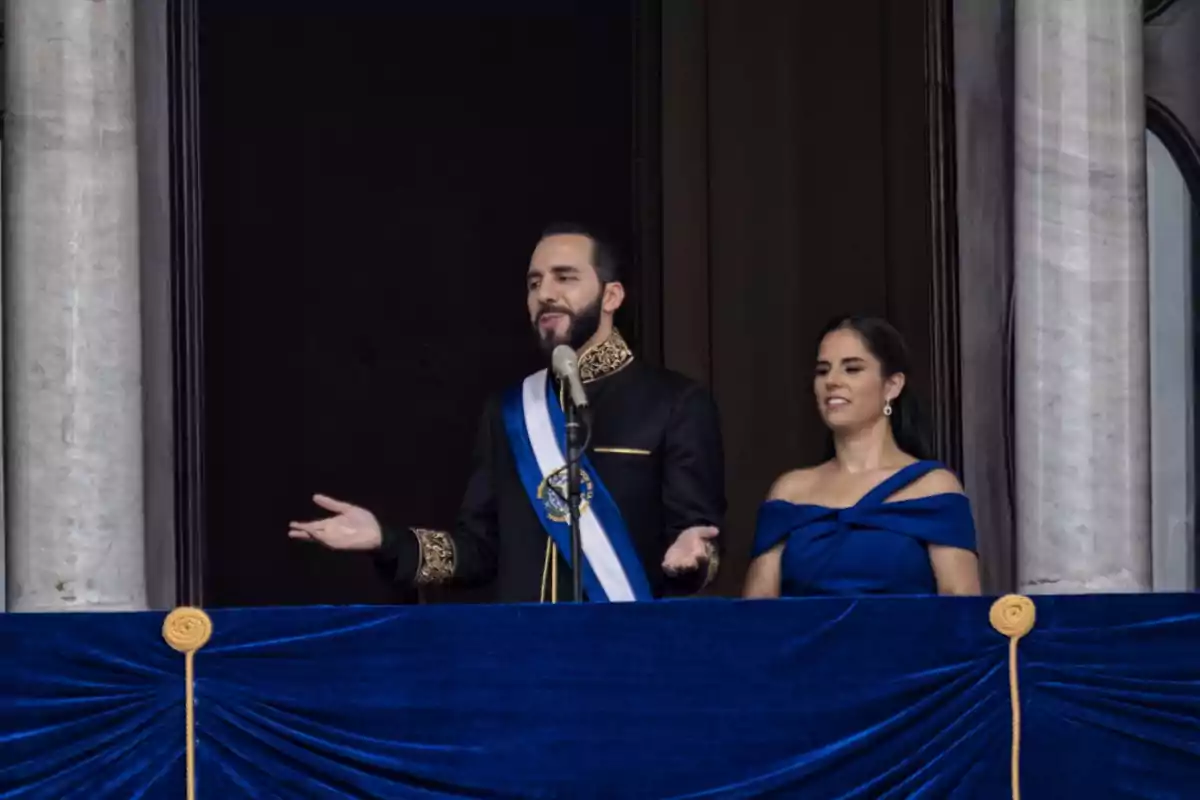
[[375, 174], [374, 180]]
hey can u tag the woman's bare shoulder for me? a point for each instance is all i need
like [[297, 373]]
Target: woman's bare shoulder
[[796, 485], [938, 481]]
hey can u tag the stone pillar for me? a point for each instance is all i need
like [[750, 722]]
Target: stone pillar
[[73, 347], [1081, 304]]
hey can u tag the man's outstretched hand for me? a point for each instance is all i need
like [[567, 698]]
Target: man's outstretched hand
[[689, 551], [350, 527]]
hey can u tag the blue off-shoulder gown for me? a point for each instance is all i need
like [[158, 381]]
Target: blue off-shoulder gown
[[872, 547]]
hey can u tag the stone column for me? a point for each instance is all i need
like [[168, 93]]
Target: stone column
[[1081, 299], [73, 350]]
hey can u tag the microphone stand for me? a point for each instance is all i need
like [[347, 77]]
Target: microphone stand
[[575, 441]]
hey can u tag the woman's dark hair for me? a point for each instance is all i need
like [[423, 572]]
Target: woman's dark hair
[[910, 426]]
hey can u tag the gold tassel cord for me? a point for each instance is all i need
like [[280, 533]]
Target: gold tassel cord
[[1013, 616], [550, 572], [186, 630], [553, 573]]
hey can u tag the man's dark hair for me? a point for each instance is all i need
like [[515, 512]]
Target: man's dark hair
[[604, 253]]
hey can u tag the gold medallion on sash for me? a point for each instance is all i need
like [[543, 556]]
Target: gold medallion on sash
[[552, 492]]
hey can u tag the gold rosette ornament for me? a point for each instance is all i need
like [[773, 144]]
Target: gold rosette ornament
[[186, 630], [1013, 616]]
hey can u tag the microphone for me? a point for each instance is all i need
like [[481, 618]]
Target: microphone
[[566, 366]]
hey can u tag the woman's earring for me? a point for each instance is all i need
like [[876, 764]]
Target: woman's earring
[[887, 408]]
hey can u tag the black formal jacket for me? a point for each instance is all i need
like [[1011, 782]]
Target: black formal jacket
[[656, 444]]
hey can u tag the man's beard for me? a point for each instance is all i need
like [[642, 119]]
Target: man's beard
[[581, 327]]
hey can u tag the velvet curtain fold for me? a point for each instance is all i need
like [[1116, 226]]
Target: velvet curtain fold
[[816, 698]]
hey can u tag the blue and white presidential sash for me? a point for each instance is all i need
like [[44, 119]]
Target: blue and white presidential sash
[[537, 433]]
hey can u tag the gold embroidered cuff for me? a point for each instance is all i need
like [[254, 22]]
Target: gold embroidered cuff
[[436, 563]]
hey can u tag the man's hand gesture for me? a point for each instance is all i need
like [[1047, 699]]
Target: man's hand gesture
[[689, 551], [351, 527]]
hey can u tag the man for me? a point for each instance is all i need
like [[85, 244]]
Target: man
[[653, 497]]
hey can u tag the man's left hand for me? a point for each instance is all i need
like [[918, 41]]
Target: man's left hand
[[690, 550]]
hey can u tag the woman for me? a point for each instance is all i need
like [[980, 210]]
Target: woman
[[880, 516]]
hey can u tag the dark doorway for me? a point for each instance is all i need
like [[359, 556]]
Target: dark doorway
[[374, 176]]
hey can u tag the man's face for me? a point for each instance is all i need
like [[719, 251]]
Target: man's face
[[567, 303]]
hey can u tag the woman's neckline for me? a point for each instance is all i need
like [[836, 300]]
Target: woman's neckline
[[905, 501], [885, 488]]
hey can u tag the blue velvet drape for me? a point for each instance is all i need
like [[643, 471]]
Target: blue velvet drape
[[819, 698], [91, 706]]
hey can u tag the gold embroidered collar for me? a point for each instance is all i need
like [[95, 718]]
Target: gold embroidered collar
[[610, 356]]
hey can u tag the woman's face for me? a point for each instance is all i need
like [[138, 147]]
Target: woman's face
[[850, 389]]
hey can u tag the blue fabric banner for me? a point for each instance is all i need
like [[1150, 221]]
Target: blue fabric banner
[[820, 698], [91, 706]]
